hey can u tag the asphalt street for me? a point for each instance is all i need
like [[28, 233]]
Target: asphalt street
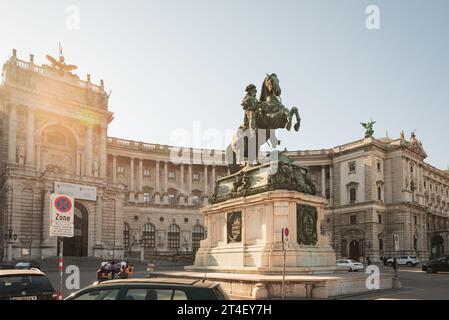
[[416, 284]]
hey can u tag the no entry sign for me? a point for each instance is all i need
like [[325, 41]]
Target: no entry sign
[[62, 216]]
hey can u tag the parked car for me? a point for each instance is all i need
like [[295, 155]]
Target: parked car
[[411, 261], [30, 284], [349, 264], [152, 289], [437, 265], [6, 266], [26, 265]]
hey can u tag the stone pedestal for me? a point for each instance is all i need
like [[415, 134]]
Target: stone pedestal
[[245, 235]]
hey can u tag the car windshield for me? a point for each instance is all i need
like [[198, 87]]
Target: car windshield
[[22, 265], [413, 257], [18, 283]]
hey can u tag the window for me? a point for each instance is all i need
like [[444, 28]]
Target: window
[[146, 172], [352, 195], [416, 220], [126, 236], [196, 177], [171, 175], [154, 294], [149, 236], [379, 217], [381, 244], [197, 236], [352, 167], [146, 198], [378, 166], [425, 184], [171, 199], [107, 294], [174, 237], [411, 169], [353, 219], [379, 193], [120, 170]]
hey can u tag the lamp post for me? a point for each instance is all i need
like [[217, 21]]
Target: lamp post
[[10, 238]]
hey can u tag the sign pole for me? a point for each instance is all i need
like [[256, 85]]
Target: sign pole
[[61, 264], [283, 267]]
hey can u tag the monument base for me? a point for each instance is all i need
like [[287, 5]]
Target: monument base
[[245, 235], [264, 287]]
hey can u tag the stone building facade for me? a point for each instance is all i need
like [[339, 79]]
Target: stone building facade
[[53, 129], [384, 199]]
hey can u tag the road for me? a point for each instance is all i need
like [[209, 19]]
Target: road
[[416, 285]]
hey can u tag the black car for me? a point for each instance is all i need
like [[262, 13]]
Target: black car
[[6, 266], [152, 289], [26, 265], [25, 285], [437, 265]]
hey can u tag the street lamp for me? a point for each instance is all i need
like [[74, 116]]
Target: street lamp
[[10, 238]]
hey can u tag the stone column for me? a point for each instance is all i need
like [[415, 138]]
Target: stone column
[[190, 180], [38, 156], [78, 163], [323, 181], [12, 150], [214, 178], [46, 219], [331, 183], [114, 169], [182, 178], [131, 182], [165, 177], [30, 138], [103, 152], [206, 189], [88, 160], [140, 183], [158, 177], [99, 222]]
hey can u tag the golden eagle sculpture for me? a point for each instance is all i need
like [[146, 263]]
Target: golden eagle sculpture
[[60, 64]]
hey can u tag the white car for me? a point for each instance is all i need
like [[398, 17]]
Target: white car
[[349, 264], [411, 261]]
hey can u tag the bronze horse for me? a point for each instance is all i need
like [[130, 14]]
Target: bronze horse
[[271, 115]]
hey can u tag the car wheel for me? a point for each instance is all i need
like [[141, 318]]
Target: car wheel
[[429, 270], [390, 264], [409, 264]]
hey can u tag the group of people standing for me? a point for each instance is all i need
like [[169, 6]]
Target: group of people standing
[[114, 270]]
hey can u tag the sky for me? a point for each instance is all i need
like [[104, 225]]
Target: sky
[[178, 69]]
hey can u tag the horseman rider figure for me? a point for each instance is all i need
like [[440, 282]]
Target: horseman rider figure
[[250, 104]]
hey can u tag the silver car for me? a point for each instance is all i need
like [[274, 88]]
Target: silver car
[[349, 264]]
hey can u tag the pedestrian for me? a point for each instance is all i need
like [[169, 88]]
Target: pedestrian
[[395, 264], [123, 273], [102, 273], [368, 260], [130, 270]]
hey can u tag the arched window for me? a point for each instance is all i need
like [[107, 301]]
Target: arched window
[[149, 236], [126, 236], [174, 237], [197, 236]]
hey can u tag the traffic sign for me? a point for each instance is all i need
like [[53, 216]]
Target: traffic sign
[[61, 216]]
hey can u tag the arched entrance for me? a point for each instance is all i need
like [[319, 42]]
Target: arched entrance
[[354, 250], [78, 245], [437, 246]]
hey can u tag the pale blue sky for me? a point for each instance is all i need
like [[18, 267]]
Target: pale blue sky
[[171, 63]]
